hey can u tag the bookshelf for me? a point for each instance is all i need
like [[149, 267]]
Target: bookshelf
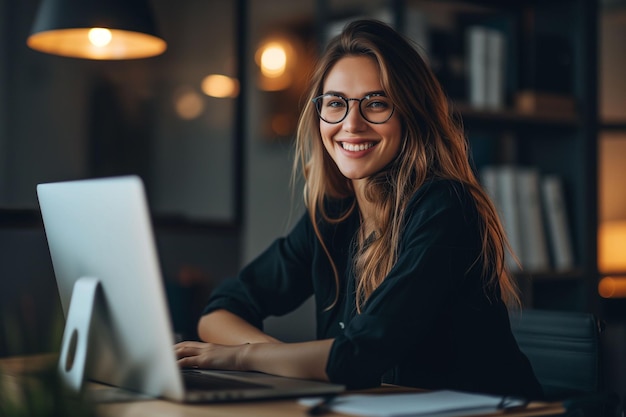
[[550, 51]]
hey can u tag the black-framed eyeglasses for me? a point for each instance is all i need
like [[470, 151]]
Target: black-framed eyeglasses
[[375, 108]]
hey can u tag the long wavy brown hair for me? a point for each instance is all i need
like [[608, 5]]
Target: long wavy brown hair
[[434, 146]]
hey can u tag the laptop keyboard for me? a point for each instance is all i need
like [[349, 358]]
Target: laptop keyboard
[[198, 380]]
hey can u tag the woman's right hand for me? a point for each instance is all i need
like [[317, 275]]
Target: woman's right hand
[[209, 355]]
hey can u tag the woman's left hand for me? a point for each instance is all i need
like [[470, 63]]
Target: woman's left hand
[[210, 355]]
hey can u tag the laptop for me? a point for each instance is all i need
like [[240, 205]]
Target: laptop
[[100, 231]]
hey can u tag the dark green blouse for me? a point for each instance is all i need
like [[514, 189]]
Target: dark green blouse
[[432, 323]]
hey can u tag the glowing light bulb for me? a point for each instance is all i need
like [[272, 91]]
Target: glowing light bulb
[[221, 86], [100, 37], [273, 60]]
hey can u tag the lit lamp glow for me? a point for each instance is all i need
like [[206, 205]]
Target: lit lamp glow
[[112, 29], [612, 258], [188, 104], [273, 60], [99, 37], [220, 86], [276, 60]]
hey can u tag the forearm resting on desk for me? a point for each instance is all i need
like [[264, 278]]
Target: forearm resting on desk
[[231, 343], [226, 328], [298, 360], [305, 360]]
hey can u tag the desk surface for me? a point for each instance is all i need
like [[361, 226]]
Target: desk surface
[[11, 369]]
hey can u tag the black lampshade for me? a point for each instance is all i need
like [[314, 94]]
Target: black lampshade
[[62, 27]]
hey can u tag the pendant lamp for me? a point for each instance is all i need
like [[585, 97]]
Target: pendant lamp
[[96, 29]]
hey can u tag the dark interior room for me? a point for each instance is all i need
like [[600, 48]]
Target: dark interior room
[[210, 130]]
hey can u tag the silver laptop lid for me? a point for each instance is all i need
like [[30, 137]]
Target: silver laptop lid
[[101, 228]]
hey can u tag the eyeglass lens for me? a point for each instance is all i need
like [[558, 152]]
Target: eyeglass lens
[[375, 108]]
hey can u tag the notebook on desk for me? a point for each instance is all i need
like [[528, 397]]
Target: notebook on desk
[[103, 251]]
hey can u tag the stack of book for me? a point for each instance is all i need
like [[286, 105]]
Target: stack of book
[[534, 215]]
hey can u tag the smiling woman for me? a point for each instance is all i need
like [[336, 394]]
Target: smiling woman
[[400, 246]]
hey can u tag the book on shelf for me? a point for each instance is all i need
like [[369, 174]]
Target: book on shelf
[[477, 65], [509, 205], [559, 233], [495, 69], [534, 245], [499, 183], [485, 60], [519, 196]]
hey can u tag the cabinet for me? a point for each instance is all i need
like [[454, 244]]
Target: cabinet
[[549, 47]]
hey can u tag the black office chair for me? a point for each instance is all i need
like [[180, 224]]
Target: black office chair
[[564, 350]]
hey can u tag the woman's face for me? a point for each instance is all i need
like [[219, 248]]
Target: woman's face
[[359, 148]]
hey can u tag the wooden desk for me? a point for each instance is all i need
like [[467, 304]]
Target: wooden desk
[[284, 408], [12, 369]]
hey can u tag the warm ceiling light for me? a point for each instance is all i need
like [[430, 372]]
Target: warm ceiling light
[[273, 60], [277, 60], [220, 86], [112, 29], [99, 37]]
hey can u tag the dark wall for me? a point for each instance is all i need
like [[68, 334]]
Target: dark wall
[[30, 309]]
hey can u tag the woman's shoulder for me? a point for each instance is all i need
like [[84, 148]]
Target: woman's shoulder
[[443, 191], [443, 198]]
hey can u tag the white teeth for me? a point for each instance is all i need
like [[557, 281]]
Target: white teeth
[[356, 147]]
